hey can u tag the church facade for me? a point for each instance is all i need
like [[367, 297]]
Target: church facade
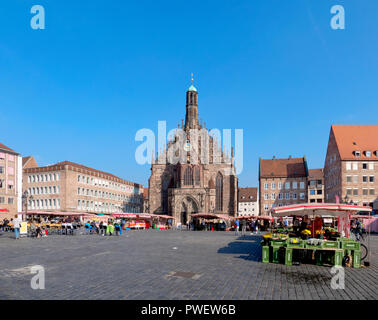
[[192, 174]]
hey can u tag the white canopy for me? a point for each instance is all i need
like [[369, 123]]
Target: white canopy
[[325, 209]]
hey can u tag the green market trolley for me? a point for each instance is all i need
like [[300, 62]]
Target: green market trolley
[[281, 248]]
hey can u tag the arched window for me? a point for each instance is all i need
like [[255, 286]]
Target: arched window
[[197, 176], [219, 193], [188, 177]]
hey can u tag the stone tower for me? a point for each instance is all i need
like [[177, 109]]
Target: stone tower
[[186, 187]]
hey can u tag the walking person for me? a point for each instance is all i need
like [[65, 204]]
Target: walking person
[[117, 228], [105, 228], [253, 223], [236, 227], [243, 227], [358, 231], [16, 226]]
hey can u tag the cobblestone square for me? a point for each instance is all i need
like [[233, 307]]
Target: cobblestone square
[[168, 264]]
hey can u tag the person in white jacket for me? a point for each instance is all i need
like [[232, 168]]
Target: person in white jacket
[[16, 226]]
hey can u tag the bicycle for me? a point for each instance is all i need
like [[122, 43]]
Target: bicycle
[[357, 236]]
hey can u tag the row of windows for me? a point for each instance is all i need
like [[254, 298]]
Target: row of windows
[[355, 192], [367, 153], [247, 203], [44, 204], [104, 183], [44, 190], [10, 200], [245, 209], [44, 177], [10, 156], [94, 206], [10, 170], [355, 165], [294, 196], [316, 192], [10, 184], [294, 185], [266, 206], [355, 179], [107, 195]]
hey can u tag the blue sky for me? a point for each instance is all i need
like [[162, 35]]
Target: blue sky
[[101, 70]]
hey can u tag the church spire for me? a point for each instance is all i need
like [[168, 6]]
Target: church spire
[[191, 117]]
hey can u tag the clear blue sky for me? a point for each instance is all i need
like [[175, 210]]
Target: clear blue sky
[[101, 70]]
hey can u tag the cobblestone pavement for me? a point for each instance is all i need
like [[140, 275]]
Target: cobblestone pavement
[[143, 265]]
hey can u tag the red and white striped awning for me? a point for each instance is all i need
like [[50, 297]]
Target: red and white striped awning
[[325, 209]]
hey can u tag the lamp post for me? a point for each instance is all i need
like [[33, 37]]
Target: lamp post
[[25, 197]]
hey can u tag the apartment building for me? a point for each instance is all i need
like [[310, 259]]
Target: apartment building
[[10, 182], [315, 190], [351, 165], [68, 186], [282, 182], [248, 202]]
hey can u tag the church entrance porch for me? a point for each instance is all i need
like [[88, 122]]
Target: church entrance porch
[[188, 207]]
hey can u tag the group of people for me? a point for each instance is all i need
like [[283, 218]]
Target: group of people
[[12, 224], [105, 228], [4, 226], [241, 226]]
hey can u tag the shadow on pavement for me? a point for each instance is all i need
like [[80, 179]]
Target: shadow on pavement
[[247, 247]]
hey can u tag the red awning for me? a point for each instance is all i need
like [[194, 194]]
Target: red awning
[[205, 215], [4, 210]]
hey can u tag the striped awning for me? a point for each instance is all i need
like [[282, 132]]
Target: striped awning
[[326, 209]]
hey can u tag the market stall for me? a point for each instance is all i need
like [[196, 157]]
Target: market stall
[[211, 221], [313, 239]]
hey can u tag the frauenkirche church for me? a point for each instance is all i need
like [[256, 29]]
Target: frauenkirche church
[[203, 180]]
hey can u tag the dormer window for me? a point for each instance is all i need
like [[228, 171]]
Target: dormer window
[[368, 154], [357, 153], [376, 153]]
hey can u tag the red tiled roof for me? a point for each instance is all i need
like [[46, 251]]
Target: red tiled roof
[[5, 148], [286, 168], [80, 166], [350, 138], [316, 174], [244, 194]]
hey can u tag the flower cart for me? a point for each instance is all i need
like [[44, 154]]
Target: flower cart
[[324, 245]]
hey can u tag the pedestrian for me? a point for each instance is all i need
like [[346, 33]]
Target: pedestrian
[[110, 229], [243, 227], [122, 225], [236, 227], [253, 226], [358, 230], [117, 228], [257, 227], [16, 226], [296, 225], [105, 228]]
